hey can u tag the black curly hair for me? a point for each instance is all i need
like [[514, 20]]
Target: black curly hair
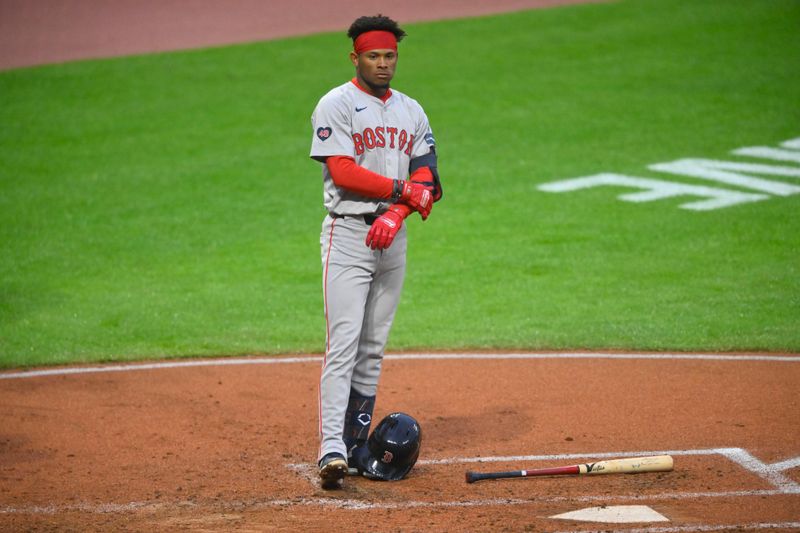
[[378, 22]]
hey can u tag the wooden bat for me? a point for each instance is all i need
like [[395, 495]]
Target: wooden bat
[[633, 465]]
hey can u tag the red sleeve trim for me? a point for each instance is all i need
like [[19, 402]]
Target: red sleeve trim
[[422, 175], [355, 178]]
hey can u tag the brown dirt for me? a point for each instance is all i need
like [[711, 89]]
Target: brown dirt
[[52, 31], [232, 447]]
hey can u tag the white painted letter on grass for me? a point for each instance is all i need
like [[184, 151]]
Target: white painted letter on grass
[[792, 143], [765, 152], [732, 173], [657, 190]]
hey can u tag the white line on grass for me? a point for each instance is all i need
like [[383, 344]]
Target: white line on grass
[[158, 366], [398, 357]]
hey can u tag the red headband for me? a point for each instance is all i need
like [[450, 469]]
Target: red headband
[[375, 40]]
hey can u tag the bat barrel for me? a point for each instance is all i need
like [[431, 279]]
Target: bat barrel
[[661, 463], [633, 465]]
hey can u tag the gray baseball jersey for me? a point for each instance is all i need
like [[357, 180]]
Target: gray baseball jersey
[[361, 286], [380, 136]]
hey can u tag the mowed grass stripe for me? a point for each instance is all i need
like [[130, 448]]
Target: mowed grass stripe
[[165, 205]]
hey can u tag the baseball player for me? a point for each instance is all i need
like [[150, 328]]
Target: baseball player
[[378, 167]]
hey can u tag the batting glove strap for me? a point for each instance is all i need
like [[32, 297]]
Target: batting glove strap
[[397, 189]]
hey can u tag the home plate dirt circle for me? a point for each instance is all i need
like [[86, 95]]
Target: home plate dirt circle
[[231, 443]]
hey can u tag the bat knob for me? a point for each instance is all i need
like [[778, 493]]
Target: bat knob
[[470, 477]]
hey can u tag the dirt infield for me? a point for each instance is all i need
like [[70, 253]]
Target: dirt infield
[[52, 31], [231, 444]]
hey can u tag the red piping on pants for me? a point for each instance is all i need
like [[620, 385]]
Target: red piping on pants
[[327, 326]]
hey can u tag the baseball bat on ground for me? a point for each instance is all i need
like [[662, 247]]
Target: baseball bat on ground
[[633, 465]]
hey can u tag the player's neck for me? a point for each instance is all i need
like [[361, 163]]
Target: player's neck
[[379, 93]]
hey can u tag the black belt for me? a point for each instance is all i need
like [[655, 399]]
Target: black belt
[[368, 219]]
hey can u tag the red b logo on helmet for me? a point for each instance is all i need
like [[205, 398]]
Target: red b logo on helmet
[[392, 449]]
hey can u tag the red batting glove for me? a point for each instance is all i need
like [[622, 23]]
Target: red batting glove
[[386, 226], [417, 197]]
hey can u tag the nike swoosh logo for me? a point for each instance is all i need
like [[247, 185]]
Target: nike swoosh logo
[[359, 109]]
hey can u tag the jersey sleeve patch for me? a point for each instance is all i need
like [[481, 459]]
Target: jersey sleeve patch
[[331, 124]]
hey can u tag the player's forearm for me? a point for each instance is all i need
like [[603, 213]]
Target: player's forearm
[[402, 210], [355, 178], [423, 170]]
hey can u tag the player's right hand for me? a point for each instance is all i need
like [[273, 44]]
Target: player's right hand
[[417, 197], [383, 230]]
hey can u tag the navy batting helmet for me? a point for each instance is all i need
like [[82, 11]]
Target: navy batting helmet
[[392, 449]]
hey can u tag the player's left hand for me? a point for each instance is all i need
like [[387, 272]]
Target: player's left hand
[[383, 230], [417, 197]]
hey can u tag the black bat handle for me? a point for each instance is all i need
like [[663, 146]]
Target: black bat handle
[[472, 477]]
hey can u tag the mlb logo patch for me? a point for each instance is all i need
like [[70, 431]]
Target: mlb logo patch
[[324, 133]]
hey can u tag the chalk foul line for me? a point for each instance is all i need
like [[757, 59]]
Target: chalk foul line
[[236, 361], [771, 473], [703, 528], [360, 505]]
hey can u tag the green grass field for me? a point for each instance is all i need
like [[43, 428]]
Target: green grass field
[[165, 205]]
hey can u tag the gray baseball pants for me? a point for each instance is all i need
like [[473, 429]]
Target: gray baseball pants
[[361, 290]]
